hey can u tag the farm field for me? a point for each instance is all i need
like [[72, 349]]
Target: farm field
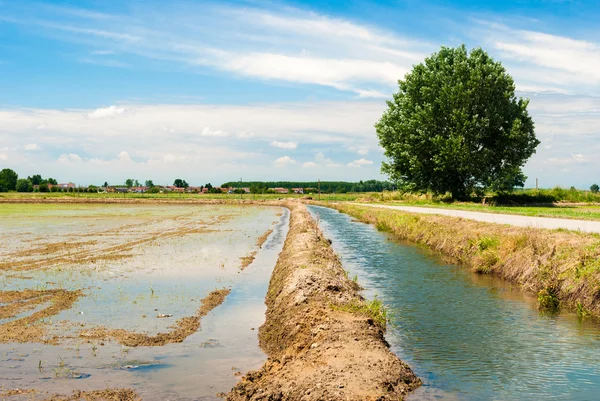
[[163, 299]]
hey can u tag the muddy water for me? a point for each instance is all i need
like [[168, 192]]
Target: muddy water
[[173, 256], [468, 337]]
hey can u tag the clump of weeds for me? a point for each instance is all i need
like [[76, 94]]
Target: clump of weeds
[[548, 300], [374, 309]]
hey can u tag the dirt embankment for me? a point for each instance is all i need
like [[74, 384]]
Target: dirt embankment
[[323, 343], [561, 267]]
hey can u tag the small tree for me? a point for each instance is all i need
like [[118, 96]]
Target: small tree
[[105, 184], [8, 180], [149, 183], [129, 182], [595, 188], [456, 126], [24, 185], [179, 183], [43, 188]]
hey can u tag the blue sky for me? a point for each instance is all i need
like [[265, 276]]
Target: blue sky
[[94, 91]]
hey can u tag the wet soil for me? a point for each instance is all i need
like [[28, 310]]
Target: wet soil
[[108, 394], [34, 327]]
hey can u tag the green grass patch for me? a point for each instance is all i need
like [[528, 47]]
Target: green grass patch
[[374, 309]]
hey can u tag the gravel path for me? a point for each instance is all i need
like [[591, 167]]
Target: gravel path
[[510, 219]]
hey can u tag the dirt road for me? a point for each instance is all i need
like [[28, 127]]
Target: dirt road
[[510, 219]]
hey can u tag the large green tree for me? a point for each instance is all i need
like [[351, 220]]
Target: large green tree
[[8, 180], [455, 125]]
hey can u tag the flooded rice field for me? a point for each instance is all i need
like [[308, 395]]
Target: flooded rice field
[[164, 299], [467, 336]]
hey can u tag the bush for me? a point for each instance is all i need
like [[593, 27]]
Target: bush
[[595, 188]]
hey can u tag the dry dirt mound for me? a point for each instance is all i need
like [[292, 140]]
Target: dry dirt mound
[[319, 348]]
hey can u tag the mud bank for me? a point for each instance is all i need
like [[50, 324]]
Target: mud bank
[[561, 267], [322, 342]]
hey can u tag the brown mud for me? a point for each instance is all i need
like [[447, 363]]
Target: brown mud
[[33, 328], [182, 329], [108, 394], [317, 348], [247, 260], [263, 238]]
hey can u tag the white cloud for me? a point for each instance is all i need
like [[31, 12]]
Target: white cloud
[[284, 160], [106, 112], [32, 146], [209, 132], [284, 145], [577, 158], [171, 158], [540, 61], [309, 164], [70, 158], [362, 151], [124, 157], [360, 162], [245, 135]]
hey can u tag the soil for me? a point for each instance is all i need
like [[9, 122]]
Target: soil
[[108, 394], [316, 349], [263, 238], [247, 260], [33, 328], [182, 329]]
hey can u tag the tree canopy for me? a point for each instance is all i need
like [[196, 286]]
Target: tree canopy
[[8, 180], [595, 188], [179, 183], [456, 126]]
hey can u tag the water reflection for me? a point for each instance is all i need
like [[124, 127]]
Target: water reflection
[[468, 337]]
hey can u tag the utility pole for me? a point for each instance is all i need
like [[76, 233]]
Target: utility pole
[[319, 188], [241, 189], [536, 184]]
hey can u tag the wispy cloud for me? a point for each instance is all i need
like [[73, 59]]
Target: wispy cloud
[[284, 145], [284, 45], [104, 62], [542, 61]]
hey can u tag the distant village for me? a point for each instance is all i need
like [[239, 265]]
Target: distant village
[[140, 189]]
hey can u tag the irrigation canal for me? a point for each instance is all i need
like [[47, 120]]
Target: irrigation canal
[[467, 336]]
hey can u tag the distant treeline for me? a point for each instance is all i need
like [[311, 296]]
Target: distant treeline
[[326, 186]]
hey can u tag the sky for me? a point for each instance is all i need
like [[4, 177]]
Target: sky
[[100, 90]]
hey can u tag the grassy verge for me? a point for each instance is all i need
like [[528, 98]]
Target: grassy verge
[[562, 268]]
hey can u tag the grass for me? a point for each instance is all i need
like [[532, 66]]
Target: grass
[[561, 268], [374, 309]]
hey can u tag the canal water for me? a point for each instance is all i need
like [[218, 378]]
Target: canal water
[[467, 336]]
